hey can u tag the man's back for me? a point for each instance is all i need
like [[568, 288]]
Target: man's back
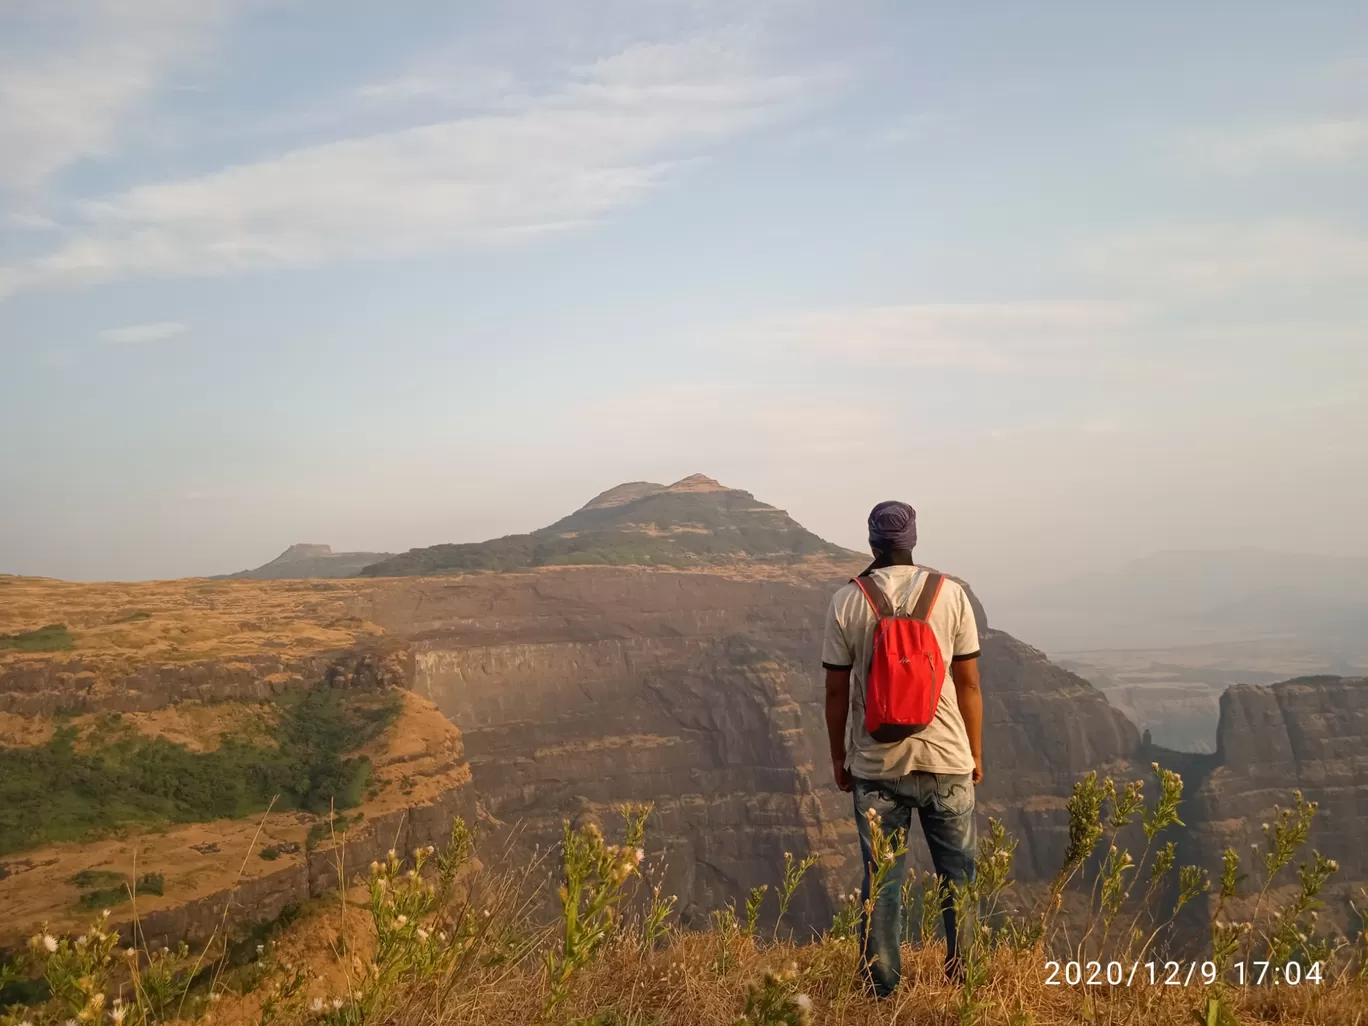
[[943, 747]]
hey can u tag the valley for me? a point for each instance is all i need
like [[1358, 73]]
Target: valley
[[531, 693]]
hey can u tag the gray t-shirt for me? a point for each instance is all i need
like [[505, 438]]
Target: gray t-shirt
[[943, 747]]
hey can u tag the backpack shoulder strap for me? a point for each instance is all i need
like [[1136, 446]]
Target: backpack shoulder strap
[[927, 599], [878, 601]]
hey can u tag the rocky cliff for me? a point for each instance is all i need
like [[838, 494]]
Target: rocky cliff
[[1311, 734], [579, 688]]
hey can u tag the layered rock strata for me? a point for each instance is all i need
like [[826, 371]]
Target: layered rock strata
[[581, 688], [1308, 734]]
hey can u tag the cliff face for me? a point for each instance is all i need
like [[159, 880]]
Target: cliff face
[[576, 689], [1044, 727], [1309, 734]]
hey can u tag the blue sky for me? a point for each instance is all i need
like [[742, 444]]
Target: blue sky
[[1079, 281]]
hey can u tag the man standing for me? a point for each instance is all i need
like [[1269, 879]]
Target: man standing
[[931, 767]]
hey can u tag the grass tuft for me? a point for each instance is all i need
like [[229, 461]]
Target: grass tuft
[[53, 638]]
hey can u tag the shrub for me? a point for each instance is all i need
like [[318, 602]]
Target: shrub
[[61, 792], [53, 638]]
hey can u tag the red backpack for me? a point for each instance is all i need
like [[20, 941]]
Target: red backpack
[[907, 669]]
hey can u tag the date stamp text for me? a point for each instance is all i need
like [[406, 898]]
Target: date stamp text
[[1180, 974]]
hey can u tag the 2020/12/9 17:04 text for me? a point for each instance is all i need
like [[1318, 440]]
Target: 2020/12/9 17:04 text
[[1179, 974]]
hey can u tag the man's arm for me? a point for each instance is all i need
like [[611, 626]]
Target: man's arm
[[837, 708], [837, 659], [965, 673]]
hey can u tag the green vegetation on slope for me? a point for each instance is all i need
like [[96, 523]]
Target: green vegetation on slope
[[663, 528], [53, 638], [116, 890], [76, 788]]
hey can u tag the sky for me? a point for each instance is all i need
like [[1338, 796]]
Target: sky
[[1079, 281]]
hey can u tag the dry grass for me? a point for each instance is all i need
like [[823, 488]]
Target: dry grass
[[119, 626], [122, 625], [677, 986], [445, 942]]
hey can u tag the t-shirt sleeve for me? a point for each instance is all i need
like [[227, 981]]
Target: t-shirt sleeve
[[836, 654], [966, 630]]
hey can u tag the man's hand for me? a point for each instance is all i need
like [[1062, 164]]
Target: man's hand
[[844, 780], [978, 770]]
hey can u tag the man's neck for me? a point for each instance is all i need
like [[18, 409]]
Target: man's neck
[[890, 557]]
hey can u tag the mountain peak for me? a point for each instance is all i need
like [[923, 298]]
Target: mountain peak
[[303, 550], [698, 483], [695, 522], [309, 560], [620, 495]]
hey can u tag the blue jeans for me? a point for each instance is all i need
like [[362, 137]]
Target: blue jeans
[[945, 805]]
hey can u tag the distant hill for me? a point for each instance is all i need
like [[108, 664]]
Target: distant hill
[[1198, 597], [307, 560], [693, 522]]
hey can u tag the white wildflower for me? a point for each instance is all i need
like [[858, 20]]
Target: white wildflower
[[336, 1003], [317, 1004], [423, 934], [50, 943], [401, 919], [105, 914], [804, 1002], [118, 1013]]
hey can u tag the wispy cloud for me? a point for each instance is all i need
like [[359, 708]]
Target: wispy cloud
[[1217, 259], [1319, 143], [137, 333], [62, 103], [610, 132], [1004, 336]]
